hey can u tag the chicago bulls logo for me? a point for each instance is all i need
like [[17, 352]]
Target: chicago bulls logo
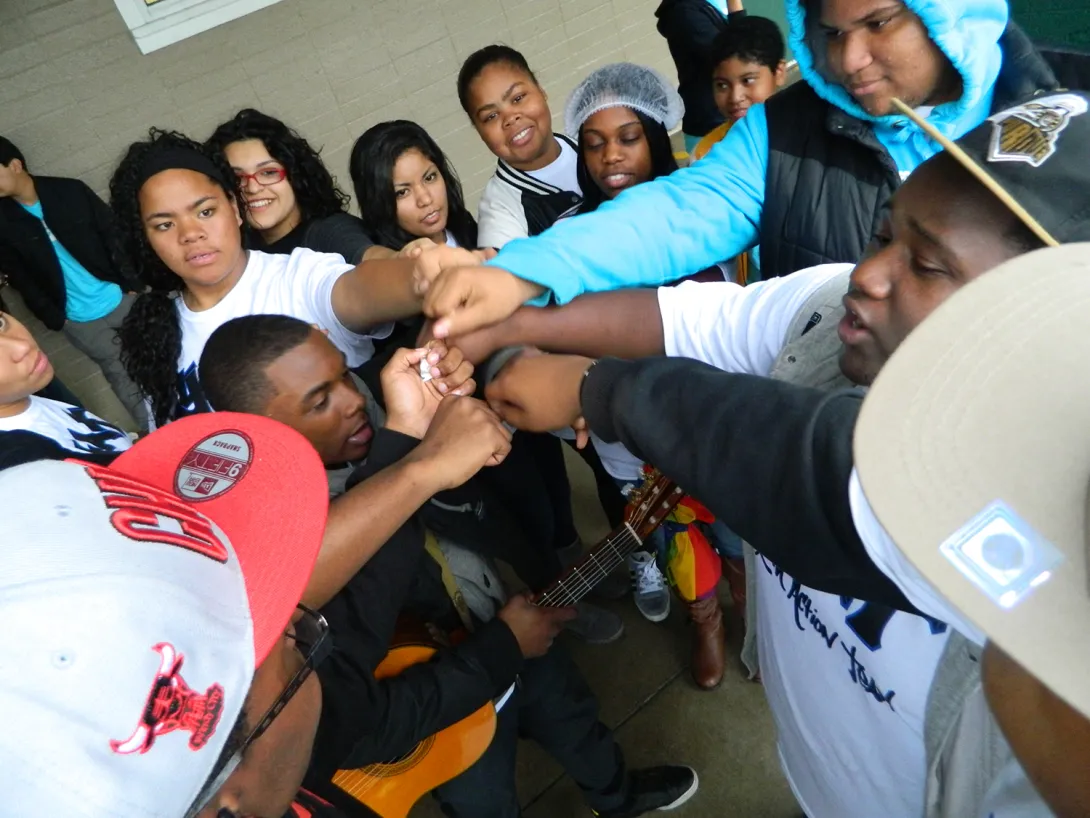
[[173, 705]]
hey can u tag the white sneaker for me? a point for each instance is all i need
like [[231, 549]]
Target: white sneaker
[[649, 587]]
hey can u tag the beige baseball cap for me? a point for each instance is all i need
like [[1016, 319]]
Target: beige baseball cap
[[973, 450]]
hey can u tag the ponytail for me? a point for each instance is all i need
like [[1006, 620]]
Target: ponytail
[[151, 343]]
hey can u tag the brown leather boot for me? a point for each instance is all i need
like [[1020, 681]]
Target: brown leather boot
[[709, 648], [734, 572]]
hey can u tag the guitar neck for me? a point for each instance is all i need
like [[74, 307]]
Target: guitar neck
[[579, 580]]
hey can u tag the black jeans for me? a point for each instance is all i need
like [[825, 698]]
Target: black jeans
[[534, 483], [554, 707], [533, 486], [476, 517]]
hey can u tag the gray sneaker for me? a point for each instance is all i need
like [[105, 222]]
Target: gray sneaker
[[649, 587], [594, 625], [613, 587]]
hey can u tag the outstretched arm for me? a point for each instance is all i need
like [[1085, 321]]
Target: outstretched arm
[[376, 292], [626, 324], [379, 290], [771, 459]]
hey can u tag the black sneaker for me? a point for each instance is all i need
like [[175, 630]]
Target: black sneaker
[[656, 789]]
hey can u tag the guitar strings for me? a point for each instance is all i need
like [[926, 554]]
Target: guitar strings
[[625, 543], [619, 547], [596, 568]]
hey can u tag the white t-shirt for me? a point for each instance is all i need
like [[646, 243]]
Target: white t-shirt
[[1011, 795], [500, 213], [847, 681], [562, 172], [299, 285], [51, 429]]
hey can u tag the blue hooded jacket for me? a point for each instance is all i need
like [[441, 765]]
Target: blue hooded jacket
[[663, 230]]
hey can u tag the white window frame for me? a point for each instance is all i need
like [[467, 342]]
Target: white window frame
[[169, 21]]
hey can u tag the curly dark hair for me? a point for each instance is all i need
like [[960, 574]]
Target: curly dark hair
[[151, 337], [372, 170], [663, 162], [315, 189]]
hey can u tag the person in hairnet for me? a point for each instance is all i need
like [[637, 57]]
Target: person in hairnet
[[621, 116]]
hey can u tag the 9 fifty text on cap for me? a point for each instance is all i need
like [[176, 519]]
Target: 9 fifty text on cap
[[973, 451], [142, 616]]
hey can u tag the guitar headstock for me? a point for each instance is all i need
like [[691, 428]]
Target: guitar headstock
[[649, 503]]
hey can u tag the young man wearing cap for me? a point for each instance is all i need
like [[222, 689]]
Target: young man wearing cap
[[33, 427], [805, 176], [175, 591], [981, 517], [57, 246], [367, 720], [848, 676]]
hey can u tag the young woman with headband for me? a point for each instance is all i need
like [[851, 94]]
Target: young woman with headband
[[181, 215]]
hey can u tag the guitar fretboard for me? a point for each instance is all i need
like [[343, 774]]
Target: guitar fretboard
[[602, 562]]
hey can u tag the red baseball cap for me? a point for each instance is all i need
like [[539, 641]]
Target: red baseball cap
[[145, 595]]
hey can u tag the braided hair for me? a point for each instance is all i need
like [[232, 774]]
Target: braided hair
[[151, 335], [315, 189]]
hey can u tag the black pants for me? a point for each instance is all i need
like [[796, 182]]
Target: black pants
[[613, 503], [554, 707], [533, 486], [533, 483], [476, 517]]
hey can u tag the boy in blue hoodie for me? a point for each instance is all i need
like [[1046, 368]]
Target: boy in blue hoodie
[[806, 175]]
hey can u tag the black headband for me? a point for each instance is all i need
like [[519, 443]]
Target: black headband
[[179, 158]]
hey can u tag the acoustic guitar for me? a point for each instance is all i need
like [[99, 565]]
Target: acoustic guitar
[[390, 790]]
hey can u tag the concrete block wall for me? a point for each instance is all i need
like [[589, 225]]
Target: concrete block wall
[[75, 90]]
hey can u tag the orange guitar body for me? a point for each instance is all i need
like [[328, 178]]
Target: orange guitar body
[[391, 790]]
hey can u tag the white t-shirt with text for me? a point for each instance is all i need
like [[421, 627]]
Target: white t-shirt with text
[[847, 681], [1011, 795]]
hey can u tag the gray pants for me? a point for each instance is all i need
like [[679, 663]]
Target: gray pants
[[98, 341]]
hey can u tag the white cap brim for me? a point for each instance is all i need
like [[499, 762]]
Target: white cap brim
[[985, 409]]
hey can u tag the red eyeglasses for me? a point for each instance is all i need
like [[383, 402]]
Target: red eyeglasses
[[264, 177]]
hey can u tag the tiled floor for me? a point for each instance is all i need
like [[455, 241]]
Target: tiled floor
[[660, 716]]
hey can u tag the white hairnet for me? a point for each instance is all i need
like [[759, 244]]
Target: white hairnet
[[623, 84]]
